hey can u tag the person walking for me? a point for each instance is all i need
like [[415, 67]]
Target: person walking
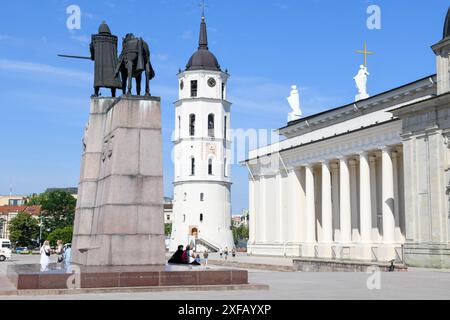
[[59, 251], [45, 251], [226, 253], [205, 256], [233, 253], [220, 253], [68, 254]]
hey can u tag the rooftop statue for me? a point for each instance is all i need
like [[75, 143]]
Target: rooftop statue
[[361, 83], [294, 102]]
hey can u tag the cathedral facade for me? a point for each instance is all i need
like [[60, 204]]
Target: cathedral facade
[[368, 181]]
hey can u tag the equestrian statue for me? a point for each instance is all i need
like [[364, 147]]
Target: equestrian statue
[[134, 59]]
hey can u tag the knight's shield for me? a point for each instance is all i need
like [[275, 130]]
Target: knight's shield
[[140, 62]]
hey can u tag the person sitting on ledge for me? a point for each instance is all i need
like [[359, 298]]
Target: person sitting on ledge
[[177, 256]]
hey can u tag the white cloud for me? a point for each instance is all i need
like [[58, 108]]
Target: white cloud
[[23, 66], [81, 39], [110, 4], [266, 98], [186, 35]]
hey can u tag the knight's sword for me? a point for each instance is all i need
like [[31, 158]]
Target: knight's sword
[[73, 57]]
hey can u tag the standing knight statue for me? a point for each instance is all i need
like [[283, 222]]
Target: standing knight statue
[[104, 53]]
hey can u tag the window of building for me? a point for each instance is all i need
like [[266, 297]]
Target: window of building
[[223, 91], [192, 166], [202, 197], [225, 127], [211, 125], [194, 88], [167, 218], [210, 167], [184, 218], [185, 196], [179, 127], [201, 217], [192, 125], [225, 173]]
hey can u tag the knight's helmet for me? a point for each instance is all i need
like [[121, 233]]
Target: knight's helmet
[[104, 29]]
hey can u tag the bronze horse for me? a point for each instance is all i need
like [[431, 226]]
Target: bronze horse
[[135, 59]]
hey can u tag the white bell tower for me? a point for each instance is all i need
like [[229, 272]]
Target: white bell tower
[[202, 155]]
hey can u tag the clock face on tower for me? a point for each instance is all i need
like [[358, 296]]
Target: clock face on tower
[[212, 82]]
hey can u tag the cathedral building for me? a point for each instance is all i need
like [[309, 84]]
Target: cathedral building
[[367, 181], [202, 153]]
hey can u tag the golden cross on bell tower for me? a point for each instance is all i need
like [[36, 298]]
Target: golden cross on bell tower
[[365, 53], [203, 6]]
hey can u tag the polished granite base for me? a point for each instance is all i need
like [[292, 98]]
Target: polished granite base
[[57, 276]]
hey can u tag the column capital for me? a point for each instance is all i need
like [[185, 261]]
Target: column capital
[[386, 148], [334, 165], [309, 166], [325, 162], [373, 158], [363, 153], [353, 162]]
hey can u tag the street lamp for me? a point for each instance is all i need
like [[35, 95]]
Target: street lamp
[[2, 225], [40, 229]]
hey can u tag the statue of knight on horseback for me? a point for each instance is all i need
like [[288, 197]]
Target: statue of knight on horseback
[[134, 59]]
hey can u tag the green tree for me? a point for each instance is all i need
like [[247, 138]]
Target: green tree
[[23, 229], [58, 209], [240, 233], [168, 229], [63, 234]]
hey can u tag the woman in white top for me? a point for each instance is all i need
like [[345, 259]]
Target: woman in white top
[[45, 254]]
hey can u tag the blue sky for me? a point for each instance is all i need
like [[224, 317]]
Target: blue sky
[[266, 45]]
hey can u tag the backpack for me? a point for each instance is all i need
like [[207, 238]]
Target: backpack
[[184, 257]]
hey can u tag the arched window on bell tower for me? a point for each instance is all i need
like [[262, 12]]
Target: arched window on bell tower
[[192, 125], [210, 166], [192, 166], [211, 125]]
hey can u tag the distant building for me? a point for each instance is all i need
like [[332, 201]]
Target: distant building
[[73, 191], [241, 219], [7, 213], [168, 210], [12, 200]]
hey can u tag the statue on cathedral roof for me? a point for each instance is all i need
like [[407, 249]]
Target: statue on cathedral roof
[[361, 83], [294, 102]]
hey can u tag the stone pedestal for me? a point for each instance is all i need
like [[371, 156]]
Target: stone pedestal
[[119, 214]]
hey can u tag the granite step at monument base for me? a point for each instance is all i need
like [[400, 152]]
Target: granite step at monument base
[[57, 276], [331, 265]]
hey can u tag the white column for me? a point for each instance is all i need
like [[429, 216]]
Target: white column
[[354, 201], [263, 210], [398, 232], [345, 206], [297, 200], [388, 197], [310, 206], [280, 206], [327, 213], [335, 199], [365, 202], [374, 198], [251, 209]]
